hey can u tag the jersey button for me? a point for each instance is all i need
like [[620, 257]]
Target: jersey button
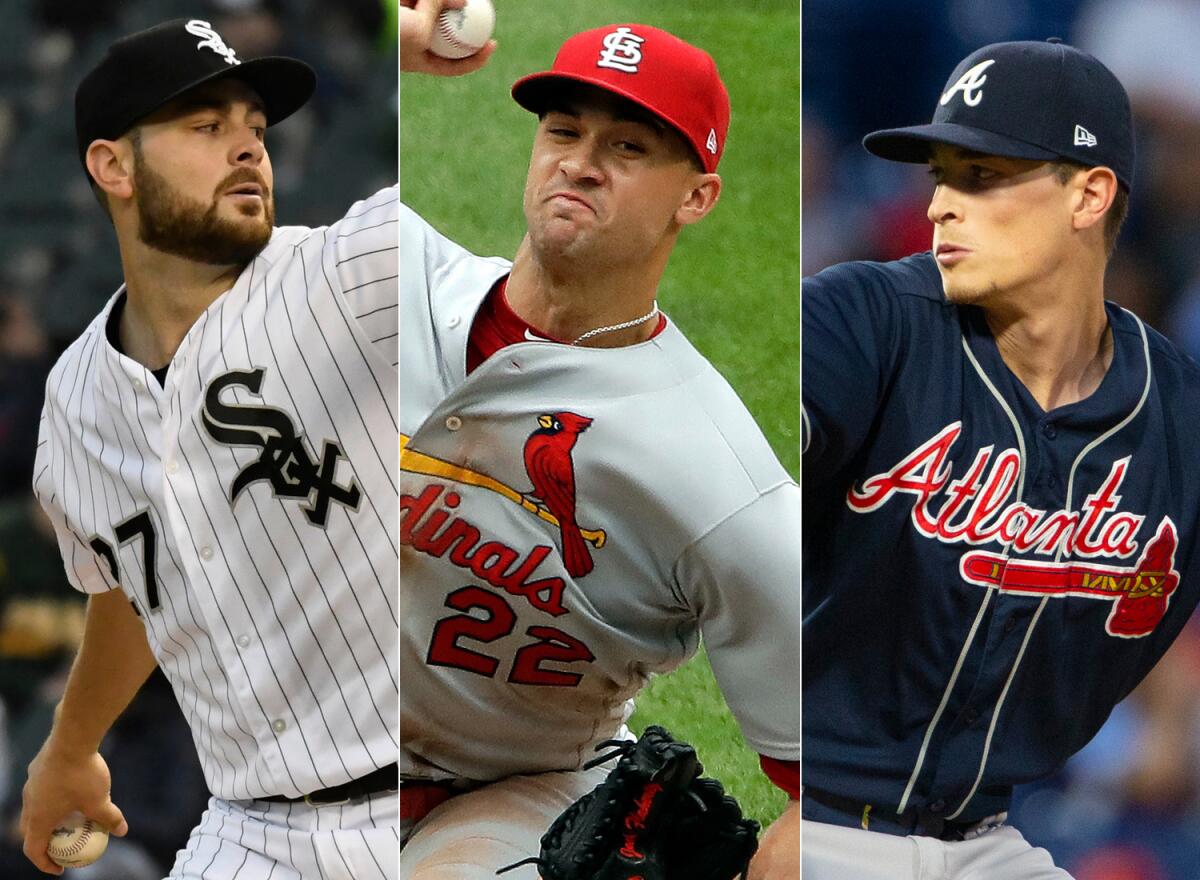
[[453, 423], [454, 322], [243, 641], [1049, 430], [206, 553], [1011, 624], [137, 384], [937, 806], [172, 466], [970, 716], [279, 725]]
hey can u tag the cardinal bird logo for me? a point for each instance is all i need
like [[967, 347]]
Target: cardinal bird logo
[[550, 469]]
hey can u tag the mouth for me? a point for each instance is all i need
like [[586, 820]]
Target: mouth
[[950, 254], [570, 197], [246, 190]]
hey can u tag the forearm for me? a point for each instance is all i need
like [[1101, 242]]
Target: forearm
[[778, 856], [113, 662]]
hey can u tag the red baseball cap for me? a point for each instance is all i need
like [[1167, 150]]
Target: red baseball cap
[[674, 80]]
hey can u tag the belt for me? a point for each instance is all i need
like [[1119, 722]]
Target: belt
[[926, 822], [384, 779]]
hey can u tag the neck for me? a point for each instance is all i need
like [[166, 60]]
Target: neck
[[1061, 349], [566, 303], [164, 297]]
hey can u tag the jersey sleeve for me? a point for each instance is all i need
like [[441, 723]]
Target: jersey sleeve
[[850, 331], [743, 580], [361, 261], [86, 570]]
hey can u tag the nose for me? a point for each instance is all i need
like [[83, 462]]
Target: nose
[[581, 162], [943, 206], [248, 149]]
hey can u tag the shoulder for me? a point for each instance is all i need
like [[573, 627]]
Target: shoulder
[[717, 432], [1170, 367], [78, 357], [916, 276]]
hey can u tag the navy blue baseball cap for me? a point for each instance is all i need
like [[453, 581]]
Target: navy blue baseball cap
[[1025, 100], [143, 71]]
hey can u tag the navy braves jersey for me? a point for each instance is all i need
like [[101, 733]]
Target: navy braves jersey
[[983, 580]]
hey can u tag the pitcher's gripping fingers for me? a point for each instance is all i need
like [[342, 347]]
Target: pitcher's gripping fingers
[[417, 18], [61, 783]]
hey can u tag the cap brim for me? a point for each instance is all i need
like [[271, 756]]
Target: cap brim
[[913, 144], [284, 84]]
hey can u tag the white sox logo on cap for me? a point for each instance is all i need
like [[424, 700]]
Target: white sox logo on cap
[[210, 39], [970, 84], [622, 51]]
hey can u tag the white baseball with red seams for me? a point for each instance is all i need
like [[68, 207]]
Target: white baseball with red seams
[[462, 32], [77, 841]]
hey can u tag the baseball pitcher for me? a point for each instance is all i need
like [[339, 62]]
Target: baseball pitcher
[[217, 454], [582, 495], [1000, 482]]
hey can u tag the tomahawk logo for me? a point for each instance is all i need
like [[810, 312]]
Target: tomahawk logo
[[286, 461], [210, 39], [622, 51], [970, 84]]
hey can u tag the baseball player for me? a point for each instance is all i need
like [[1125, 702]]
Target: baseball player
[[217, 456], [1000, 482], [582, 495]]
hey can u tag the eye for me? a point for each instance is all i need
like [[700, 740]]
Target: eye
[[630, 147], [982, 172], [210, 127]]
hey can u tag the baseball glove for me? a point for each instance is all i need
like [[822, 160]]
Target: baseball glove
[[653, 818]]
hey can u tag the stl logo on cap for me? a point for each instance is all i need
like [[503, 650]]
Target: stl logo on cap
[[210, 39], [622, 51], [971, 84]]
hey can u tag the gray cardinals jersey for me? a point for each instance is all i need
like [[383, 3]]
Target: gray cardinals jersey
[[247, 506], [572, 520]]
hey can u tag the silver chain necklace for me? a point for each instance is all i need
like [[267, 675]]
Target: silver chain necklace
[[642, 320]]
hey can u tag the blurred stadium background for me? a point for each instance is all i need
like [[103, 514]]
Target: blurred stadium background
[[733, 281], [1127, 807], [58, 266]]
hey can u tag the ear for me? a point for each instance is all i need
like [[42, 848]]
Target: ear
[[706, 189], [1095, 190], [110, 163]]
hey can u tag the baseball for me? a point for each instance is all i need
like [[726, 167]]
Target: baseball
[[462, 32], [77, 841]]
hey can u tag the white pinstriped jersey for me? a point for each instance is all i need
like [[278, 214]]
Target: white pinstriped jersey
[[524, 639], [248, 506]]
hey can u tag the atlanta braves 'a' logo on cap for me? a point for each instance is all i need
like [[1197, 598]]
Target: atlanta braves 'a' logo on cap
[[285, 461], [970, 84], [210, 39], [622, 51]]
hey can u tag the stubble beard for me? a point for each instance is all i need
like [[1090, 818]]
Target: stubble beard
[[176, 224]]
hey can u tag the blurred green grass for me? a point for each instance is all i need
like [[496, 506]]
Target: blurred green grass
[[733, 282]]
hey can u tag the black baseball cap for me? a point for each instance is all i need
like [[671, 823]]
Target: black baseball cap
[[1025, 100], [141, 72]]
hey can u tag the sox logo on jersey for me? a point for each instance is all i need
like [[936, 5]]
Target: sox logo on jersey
[[975, 509], [286, 461]]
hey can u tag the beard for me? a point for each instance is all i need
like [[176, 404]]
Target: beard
[[176, 224]]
